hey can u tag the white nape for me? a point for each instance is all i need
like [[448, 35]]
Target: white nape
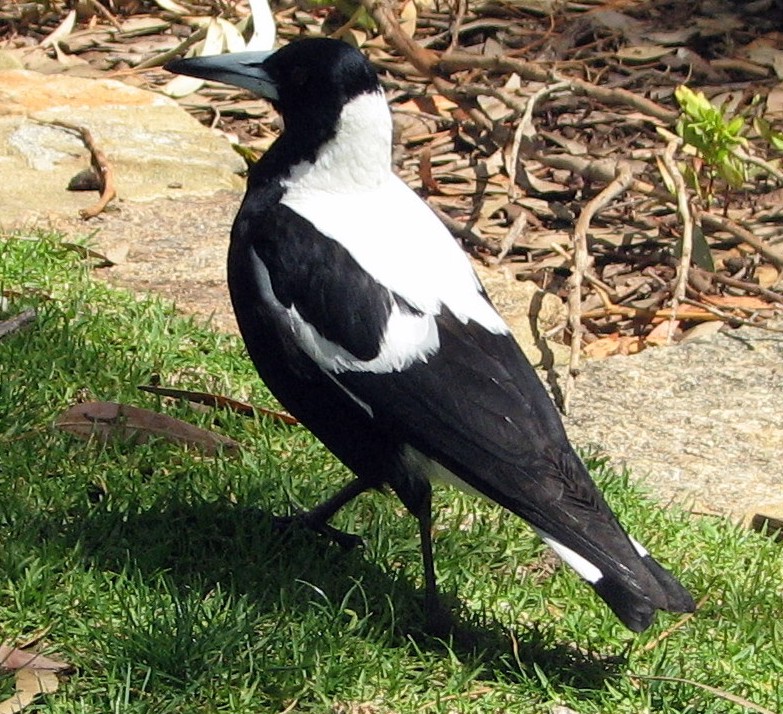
[[357, 158]]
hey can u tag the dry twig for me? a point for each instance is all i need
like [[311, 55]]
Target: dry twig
[[100, 165], [745, 285], [686, 248], [382, 12], [600, 170], [534, 71], [710, 220], [581, 262]]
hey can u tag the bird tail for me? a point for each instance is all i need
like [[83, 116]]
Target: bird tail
[[634, 590], [636, 609]]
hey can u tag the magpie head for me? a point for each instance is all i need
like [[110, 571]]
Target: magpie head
[[308, 81]]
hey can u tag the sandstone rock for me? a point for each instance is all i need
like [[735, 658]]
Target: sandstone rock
[[698, 423], [155, 148]]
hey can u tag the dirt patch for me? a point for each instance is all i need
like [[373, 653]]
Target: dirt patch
[[176, 249]]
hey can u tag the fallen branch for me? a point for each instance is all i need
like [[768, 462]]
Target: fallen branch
[[463, 232], [581, 262], [720, 223], [589, 276], [686, 248], [158, 60], [643, 313], [601, 170], [745, 285], [100, 165], [533, 71], [101, 10], [732, 320], [17, 322], [382, 12], [743, 155], [526, 128]]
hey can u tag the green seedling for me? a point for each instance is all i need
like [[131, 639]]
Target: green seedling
[[705, 127]]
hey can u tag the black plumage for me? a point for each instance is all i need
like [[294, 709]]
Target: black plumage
[[366, 321]]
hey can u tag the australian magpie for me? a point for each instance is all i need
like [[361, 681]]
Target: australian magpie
[[367, 321]]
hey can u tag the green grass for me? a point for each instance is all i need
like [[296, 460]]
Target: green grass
[[155, 572]]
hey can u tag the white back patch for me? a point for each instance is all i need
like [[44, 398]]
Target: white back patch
[[351, 195]]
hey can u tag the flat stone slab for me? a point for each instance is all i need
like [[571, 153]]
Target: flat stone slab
[[156, 150], [700, 423]]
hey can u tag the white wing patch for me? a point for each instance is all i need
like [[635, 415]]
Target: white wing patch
[[408, 337]]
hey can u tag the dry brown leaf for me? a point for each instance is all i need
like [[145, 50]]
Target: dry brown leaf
[[613, 345], [701, 331], [530, 182], [147, 25], [642, 53], [659, 335], [35, 674], [775, 102], [29, 684], [767, 275], [62, 30], [213, 43], [173, 7], [740, 302], [109, 421], [12, 658], [408, 16], [765, 50]]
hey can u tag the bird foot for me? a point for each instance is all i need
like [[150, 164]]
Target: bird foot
[[347, 541], [439, 620]]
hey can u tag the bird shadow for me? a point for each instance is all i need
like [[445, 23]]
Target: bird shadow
[[203, 545]]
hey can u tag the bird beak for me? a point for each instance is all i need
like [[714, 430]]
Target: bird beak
[[241, 69]]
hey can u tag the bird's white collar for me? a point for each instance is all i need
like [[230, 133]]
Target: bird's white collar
[[357, 158]]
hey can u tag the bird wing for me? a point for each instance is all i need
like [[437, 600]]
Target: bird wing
[[445, 376]]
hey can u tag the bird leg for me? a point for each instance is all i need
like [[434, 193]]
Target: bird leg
[[415, 492], [438, 618], [316, 519]]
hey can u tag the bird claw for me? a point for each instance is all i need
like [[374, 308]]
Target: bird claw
[[439, 620], [347, 541]]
